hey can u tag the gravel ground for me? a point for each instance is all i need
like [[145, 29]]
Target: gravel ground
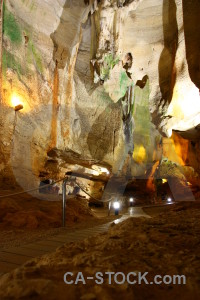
[[167, 244]]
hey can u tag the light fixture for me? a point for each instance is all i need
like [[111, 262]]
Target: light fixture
[[131, 201], [116, 206], [16, 102], [169, 199], [18, 107]]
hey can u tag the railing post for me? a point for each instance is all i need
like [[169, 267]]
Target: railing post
[[64, 202]]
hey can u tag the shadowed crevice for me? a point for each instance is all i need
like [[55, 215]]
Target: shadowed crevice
[[167, 71], [142, 83], [104, 134], [191, 16], [67, 30]]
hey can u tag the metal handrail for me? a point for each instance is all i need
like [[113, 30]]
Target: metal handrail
[[64, 199], [32, 190], [65, 179]]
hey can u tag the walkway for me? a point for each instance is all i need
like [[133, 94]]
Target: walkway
[[14, 257], [137, 212]]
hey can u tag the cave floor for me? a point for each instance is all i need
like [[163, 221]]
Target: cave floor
[[13, 257], [15, 237], [166, 243]]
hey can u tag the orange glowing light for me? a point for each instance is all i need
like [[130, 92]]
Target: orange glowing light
[[15, 100], [164, 180]]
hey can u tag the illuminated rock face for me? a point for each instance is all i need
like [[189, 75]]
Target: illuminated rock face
[[92, 78], [185, 154]]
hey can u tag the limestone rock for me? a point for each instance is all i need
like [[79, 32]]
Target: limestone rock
[[53, 62]]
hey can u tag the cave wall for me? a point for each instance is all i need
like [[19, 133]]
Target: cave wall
[[83, 97]]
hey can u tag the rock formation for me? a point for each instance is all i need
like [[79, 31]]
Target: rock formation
[[101, 82]]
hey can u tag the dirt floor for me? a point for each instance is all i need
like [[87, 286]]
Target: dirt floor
[[156, 210], [164, 208], [25, 211], [25, 219], [167, 244]]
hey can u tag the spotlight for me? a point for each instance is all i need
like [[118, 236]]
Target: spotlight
[[116, 206], [131, 201], [169, 200]]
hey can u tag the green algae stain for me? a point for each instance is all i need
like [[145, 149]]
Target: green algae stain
[[34, 56], [124, 82], [109, 62], [9, 62], [30, 4], [11, 28]]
